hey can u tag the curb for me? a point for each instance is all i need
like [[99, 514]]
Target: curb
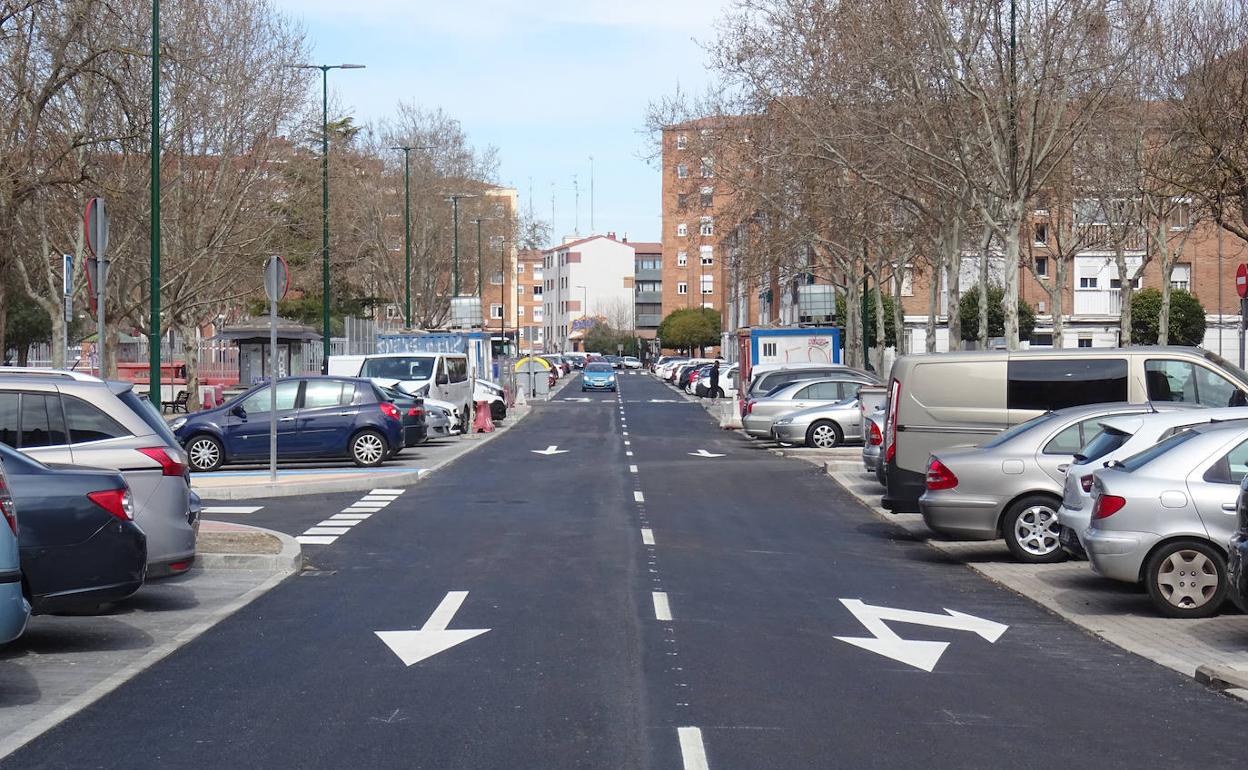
[[288, 561]]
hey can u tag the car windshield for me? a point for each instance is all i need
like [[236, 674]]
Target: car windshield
[[399, 367], [1157, 450], [600, 368], [1018, 430]]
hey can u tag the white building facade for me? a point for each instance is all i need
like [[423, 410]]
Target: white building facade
[[584, 280]]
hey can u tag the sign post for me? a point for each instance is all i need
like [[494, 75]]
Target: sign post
[[95, 227], [1241, 288], [276, 282], [67, 294]]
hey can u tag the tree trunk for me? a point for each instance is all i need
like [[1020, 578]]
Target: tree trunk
[[933, 306], [1124, 296], [1013, 234], [881, 338], [1057, 300], [985, 242], [952, 245], [112, 339], [899, 317], [59, 351], [4, 321], [853, 321], [190, 358], [1167, 269]]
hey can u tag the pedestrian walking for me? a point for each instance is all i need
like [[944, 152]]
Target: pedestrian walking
[[715, 379]]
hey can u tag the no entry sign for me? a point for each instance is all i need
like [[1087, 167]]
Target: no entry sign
[[1241, 280]]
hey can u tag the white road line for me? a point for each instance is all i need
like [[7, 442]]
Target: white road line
[[628, 443], [369, 506], [339, 523], [661, 609], [692, 752], [327, 531], [386, 492], [629, 453], [647, 536], [632, 469], [315, 539], [360, 509], [625, 433], [231, 508], [351, 516], [638, 496], [376, 499]]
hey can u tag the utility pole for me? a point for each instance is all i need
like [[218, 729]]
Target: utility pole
[[455, 199], [407, 232], [153, 347], [478, 222]]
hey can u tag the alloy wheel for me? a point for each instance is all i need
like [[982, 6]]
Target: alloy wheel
[[1187, 579], [369, 449], [1036, 530], [204, 454], [823, 437]]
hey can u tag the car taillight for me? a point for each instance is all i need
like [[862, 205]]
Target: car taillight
[[168, 465], [890, 422], [6, 505], [1086, 483], [389, 410], [749, 407], [415, 411], [939, 476], [875, 438], [1107, 505], [116, 501]]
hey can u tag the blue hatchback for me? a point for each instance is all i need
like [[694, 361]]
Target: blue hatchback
[[317, 417], [14, 609], [598, 376]]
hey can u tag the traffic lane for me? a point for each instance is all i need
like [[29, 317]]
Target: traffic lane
[[756, 553], [299, 678]]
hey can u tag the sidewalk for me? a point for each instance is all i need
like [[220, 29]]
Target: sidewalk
[[251, 482], [1214, 650]]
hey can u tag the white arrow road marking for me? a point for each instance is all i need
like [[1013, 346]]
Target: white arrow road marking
[[692, 752], [433, 637], [550, 450], [920, 654], [704, 453]]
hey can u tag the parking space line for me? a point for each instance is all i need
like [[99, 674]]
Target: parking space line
[[638, 496], [662, 611], [647, 536], [692, 752], [327, 531], [231, 508], [315, 539]]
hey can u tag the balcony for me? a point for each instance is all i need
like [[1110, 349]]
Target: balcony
[[648, 275], [1097, 302], [645, 297], [649, 321]]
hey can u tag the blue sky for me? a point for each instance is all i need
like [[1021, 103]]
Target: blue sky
[[548, 82]]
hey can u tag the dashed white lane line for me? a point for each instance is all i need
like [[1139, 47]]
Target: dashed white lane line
[[629, 453], [632, 469], [647, 536], [315, 539], [692, 752], [662, 611], [625, 433], [338, 523], [231, 508], [351, 516], [628, 443], [638, 496], [327, 531]]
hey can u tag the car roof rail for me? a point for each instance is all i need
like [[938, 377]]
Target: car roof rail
[[31, 371]]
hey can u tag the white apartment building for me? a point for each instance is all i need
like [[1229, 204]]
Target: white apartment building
[[586, 279]]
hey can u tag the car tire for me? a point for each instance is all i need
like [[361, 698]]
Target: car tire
[[824, 434], [1187, 579], [204, 453], [368, 449], [1029, 528]]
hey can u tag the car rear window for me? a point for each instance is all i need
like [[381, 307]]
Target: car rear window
[[1109, 440], [1156, 450], [1018, 430], [146, 411], [86, 423]]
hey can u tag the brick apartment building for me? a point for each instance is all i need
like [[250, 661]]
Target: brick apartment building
[[529, 312], [648, 284]]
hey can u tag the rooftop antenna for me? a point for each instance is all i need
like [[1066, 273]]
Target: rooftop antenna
[[591, 194], [576, 218]]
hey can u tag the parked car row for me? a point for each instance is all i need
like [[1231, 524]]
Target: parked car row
[[1135, 459], [94, 492]]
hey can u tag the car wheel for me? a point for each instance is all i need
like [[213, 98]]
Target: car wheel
[[1030, 530], [204, 453], [368, 448], [824, 434], [1187, 579]]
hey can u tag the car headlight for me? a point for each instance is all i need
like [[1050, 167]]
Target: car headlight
[[178, 423]]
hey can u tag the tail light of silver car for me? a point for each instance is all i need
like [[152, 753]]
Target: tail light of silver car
[[1107, 505], [6, 504], [939, 476], [875, 438], [116, 501], [169, 465]]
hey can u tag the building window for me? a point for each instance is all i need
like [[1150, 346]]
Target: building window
[[1041, 230], [708, 284], [707, 170], [682, 171], [682, 141], [496, 279], [682, 288], [682, 201], [1042, 266], [682, 230], [1085, 342], [707, 197], [1181, 217], [707, 254], [649, 286], [1087, 282], [496, 312], [682, 258], [1115, 283], [1181, 277], [537, 275], [707, 226], [520, 311], [519, 268], [769, 349], [907, 282], [520, 289], [650, 263], [538, 313], [537, 292]]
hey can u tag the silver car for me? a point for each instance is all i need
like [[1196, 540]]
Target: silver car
[[1011, 486], [1165, 516], [71, 417], [795, 396], [820, 427], [1120, 438], [873, 444]]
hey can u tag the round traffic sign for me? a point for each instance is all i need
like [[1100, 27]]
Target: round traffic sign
[[276, 278], [1241, 280]]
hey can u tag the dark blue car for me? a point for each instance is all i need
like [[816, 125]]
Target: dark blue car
[[317, 417]]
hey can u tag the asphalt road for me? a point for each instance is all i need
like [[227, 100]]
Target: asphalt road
[[575, 562]]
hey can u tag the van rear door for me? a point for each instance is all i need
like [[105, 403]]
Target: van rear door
[[948, 403]]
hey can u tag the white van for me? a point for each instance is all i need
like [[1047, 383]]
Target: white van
[[443, 376]]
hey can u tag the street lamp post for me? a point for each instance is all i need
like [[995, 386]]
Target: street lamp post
[[153, 347], [455, 199], [407, 232], [502, 295], [478, 222], [584, 309], [325, 68]]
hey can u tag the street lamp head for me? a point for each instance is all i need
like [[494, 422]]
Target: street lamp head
[[462, 196], [351, 66]]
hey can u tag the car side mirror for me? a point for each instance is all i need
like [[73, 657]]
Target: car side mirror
[[238, 411], [1239, 398], [444, 379]]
